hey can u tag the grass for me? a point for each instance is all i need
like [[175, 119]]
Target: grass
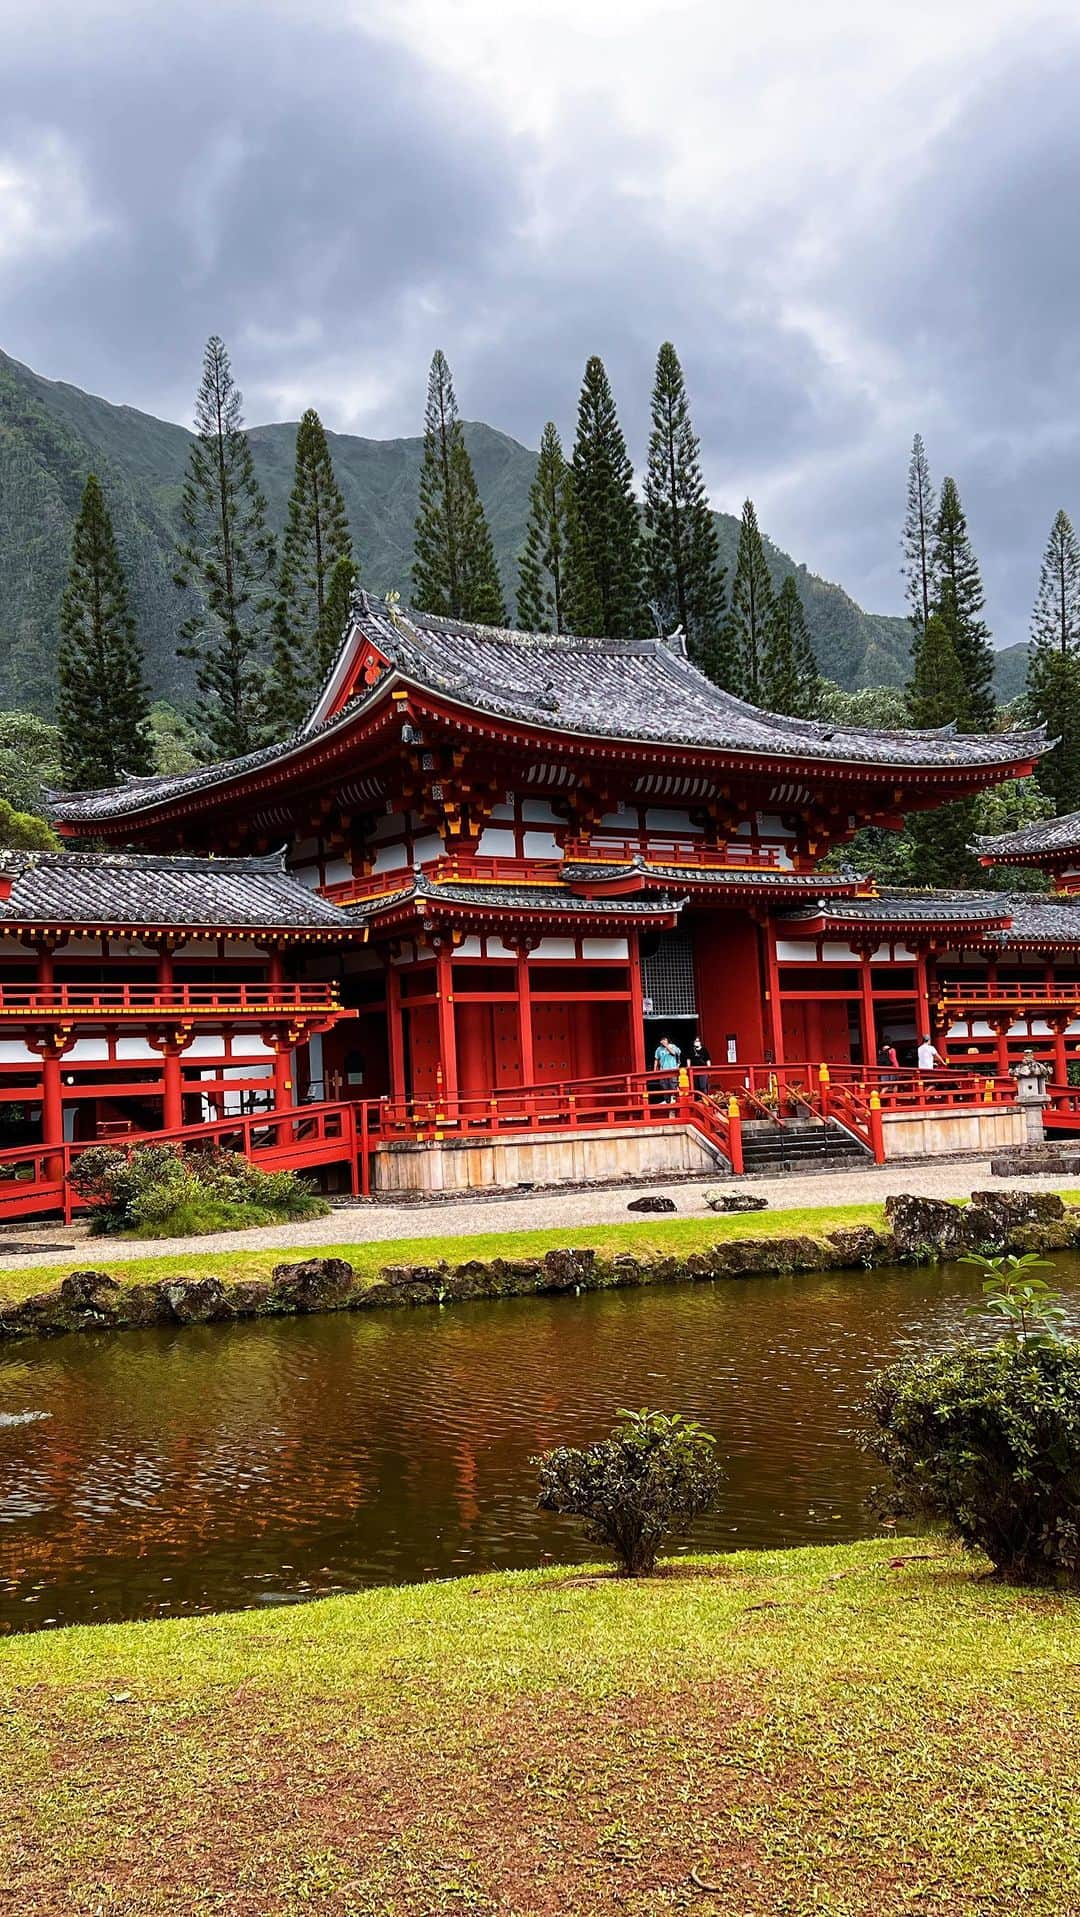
[[677, 1237], [840, 1731]]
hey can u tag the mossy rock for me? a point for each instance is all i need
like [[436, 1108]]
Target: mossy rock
[[1060, 1234]]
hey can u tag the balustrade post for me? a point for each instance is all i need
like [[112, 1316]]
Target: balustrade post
[[824, 1089], [877, 1130], [735, 1145]]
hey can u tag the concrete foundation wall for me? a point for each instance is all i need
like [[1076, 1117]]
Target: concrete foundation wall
[[983, 1128], [542, 1158]]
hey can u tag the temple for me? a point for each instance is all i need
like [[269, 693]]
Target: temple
[[489, 872]]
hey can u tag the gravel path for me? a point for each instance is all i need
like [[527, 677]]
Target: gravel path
[[535, 1211]]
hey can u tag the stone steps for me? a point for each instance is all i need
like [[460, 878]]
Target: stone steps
[[799, 1145]]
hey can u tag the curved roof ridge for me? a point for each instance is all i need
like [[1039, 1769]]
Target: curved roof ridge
[[1058, 834]]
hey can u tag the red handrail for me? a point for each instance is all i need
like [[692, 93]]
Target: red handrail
[[715, 1100], [670, 851], [982, 992], [16, 1001]]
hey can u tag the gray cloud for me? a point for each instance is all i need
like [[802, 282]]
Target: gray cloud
[[336, 205]]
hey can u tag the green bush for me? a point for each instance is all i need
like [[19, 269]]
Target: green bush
[[653, 1475], [987, 1444], [159, 1191]]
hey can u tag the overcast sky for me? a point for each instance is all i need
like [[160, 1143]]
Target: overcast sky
[[855, 222]]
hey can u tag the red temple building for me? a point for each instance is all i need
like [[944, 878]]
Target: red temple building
[[477, 886]]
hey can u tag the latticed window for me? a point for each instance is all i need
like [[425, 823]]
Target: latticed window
[[667, 978]]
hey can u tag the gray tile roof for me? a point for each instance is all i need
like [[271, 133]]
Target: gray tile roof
[[1034, 918], [772, 876], [1054, 837], [638, 689], [915, 908], [586, 688], [1041, 917], [127, 888], [515, 898]]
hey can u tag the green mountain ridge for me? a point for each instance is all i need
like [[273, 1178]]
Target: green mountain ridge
[[53, 434]]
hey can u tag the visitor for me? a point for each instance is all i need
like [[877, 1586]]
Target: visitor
[[700, 1060], [667, 1059], [929, 1056]]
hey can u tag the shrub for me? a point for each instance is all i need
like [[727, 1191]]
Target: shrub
[[987, 1443], [653, 1475], [1029, 1312], [158, 1191]]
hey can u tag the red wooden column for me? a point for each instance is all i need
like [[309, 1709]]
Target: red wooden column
[[637, 1003], [772, 992], [283, 1085], [46, 973], [1061, 1063], [922, 996], [165, 973], [172, 1087], [50, 1046], [444, 994], [525, 1019], [395, 1032], [867, 1028], [814, 1040], [52, 1107]]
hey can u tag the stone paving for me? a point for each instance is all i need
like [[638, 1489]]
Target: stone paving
[[949, 1178]]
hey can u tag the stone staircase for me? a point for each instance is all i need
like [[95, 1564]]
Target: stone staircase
[[799, 1145]]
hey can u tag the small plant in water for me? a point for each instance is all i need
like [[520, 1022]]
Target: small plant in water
[[1032, 1312], [655, 1474]]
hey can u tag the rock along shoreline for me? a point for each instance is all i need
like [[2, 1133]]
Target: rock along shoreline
[[918, 1231]]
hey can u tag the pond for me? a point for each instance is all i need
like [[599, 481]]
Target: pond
[[154, 1473]]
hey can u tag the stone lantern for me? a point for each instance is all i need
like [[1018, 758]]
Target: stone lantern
[[1031, 1094]]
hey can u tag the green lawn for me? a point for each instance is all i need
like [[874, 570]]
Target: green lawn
[[838, 1731], [657, 1235]]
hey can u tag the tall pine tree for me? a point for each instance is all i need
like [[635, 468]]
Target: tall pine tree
[[226, 561], [751, 618], [685, 576], [937, 691], [103, 707], [605, 552], [958, 601], [917, 540], [541, 595], [791, 682], [316, 538], [1054, 664], [454, 567]]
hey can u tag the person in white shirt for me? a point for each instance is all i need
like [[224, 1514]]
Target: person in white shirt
[[929, 1056]]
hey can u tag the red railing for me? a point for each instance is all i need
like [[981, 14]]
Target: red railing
[[368, 885], [34, 1178], [716, 1101], [475, 869], [19, 1001], [983, 993], [682, 852], [597, 1104]]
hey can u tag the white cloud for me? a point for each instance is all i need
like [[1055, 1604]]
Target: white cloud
[[45, 206]]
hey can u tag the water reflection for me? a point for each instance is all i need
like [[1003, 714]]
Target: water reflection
[[219, 1467]]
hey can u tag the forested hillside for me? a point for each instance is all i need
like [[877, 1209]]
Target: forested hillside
[[52, 434]]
